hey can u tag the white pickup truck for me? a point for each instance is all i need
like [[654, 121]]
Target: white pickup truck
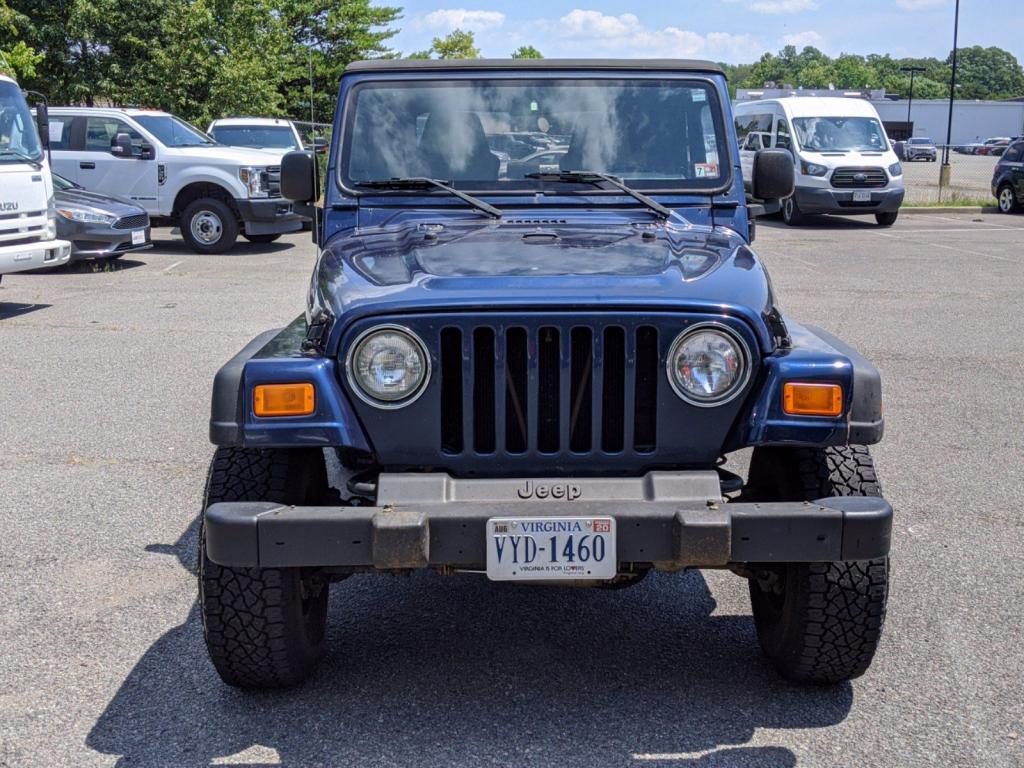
[[28, 224], [180, 175]]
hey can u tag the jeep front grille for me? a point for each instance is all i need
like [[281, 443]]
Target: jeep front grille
[[859, 178]]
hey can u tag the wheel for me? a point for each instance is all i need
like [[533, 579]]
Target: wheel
[[1007, 199], [209, 226], [791, 213], [887, 219], [818, 623], [264, 627], [261, 239]]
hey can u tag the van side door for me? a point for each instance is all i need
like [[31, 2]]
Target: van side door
[[100, 170]]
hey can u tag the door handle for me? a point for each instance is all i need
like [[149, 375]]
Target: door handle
[[87, 166]]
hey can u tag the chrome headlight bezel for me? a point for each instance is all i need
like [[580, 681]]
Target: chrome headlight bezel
[[84, 216], [737, 387], [353, 380], [252, 179]]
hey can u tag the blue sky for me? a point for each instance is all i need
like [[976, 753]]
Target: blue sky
[[735, 31]]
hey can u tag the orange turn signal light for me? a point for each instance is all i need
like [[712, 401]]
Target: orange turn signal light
[[812, 399], [284, 399]]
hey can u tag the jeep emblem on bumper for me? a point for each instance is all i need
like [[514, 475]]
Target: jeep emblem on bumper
[[567, 491]]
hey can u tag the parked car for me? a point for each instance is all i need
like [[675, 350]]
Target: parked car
[[988, 145], [542, 393], [1008, 179], [920, 148], [257, 133], [181, 176], [997, 149], [99, 226], [842, 159]]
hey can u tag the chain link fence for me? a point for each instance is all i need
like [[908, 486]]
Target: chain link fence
[[968, 180]]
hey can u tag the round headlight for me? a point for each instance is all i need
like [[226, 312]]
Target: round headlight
[[388, 367], [708, 365]]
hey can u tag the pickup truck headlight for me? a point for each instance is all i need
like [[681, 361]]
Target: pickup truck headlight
[[254, 180], [896, 169], [84, 216], [812, 169], [708, 365], [388, 367], [50, 230]]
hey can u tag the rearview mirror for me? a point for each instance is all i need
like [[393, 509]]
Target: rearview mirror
[[43, 125], [772, 177], [300, 177], [121, 146]]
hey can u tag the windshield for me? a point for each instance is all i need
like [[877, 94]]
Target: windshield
[[839, 134], [172, 132], [256, 136], [61, 184], [920, 141], [18, 139], [488, 135]]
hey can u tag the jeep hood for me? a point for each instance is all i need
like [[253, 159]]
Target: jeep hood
[[613, 264]]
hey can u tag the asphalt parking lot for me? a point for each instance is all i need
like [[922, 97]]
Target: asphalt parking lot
[[103, 453]]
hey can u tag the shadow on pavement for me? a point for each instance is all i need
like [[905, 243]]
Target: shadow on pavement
[[824, 222], [9, 309], [175, 246], [425, 670]]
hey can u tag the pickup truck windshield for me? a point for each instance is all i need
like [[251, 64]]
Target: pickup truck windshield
[[511, 135], [256, 137], [172, 132], [840, 134], [18, 140]]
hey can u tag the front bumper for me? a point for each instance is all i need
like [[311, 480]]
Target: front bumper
[[90, 241], [45, 253], [827, 200], [269, 217], [668, 520]]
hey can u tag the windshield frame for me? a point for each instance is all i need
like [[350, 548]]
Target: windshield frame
[[718, 113], [798, 139], [22, 112], [142, 121]]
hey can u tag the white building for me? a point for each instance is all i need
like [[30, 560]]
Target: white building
[[972, 120]]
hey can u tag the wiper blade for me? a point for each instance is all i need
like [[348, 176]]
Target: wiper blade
[[22, 156], [594, 177], [424, 182]]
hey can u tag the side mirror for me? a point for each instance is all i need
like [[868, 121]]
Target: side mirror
[[121, 146], [772, 176], [300, 177], [43, 125], [146, 152]]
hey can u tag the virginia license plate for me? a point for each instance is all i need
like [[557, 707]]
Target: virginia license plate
[[862, 197], [138, 237], [550, 548]]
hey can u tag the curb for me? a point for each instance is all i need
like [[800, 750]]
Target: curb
[[950, 209]]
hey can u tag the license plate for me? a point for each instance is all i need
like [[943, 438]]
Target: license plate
[[138, 237], [551, 548], [862, 197]]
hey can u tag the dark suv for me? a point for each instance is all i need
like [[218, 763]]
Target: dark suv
[[1008, 179], [537, 375]]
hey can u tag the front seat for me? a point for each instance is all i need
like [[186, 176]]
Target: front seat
[[454, 147]]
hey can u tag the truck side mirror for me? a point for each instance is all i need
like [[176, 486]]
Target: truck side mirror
[[121, 146], [146, 151], [43, 125], [772, 177], [300, 177]]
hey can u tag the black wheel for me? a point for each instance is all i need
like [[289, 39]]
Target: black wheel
[[791, 213], [1008, 202], [887, 219], [209, 226], [818, 622], [264, 627], [261, 239]]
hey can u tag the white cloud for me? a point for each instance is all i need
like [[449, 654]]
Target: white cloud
[[803, 39], [920, 5], [462, 18], [582, 31], [783, 6]]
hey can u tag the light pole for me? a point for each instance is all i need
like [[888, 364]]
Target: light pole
[[913, 71], [945, 171]]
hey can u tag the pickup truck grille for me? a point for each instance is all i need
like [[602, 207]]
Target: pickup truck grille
[[859, 178], [136, 221], [273, 178]]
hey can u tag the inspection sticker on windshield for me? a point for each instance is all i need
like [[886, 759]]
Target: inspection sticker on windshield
[[704, 170], [138, 237], [547, 548]]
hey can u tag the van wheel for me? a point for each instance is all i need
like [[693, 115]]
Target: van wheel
[[209, 226], [791, 213], [1007, 200], [887, 219]]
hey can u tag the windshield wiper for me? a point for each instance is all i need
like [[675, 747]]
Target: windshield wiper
[[423, 182], [23, 157], [593, 177]]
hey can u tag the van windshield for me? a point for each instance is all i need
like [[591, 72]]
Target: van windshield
[[18, 140], [839, 134], [489, 135]]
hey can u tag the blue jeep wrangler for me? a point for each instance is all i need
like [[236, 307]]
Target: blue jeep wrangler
[[535, 330]]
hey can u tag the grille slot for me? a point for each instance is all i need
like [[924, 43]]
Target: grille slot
[[451, 390], [274, 181], [859, 178], [581, 376], [646, 408], [483, 391], [517, 414], [613, 393], [135, 221], [548, 356]]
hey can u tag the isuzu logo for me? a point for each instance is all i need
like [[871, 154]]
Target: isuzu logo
[[559, 491], [8, 207]]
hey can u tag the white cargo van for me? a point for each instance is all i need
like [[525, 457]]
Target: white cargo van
[[842, 160], [28, 221]]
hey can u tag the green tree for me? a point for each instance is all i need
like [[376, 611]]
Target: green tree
[[987, 73], [457, 44], [527, 52]]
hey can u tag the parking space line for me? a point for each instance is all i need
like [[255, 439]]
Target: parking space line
[[948, 247], [168, 269]]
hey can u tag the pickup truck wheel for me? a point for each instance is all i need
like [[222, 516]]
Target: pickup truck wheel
[[264, 627], [262, 239], [818, 623], [791, 213], [209, 226], [887, 219]]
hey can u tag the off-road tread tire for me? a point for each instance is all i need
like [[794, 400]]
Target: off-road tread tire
[[253, 622], [833, 614]]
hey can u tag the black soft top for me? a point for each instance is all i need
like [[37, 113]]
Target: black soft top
[[419, 65]]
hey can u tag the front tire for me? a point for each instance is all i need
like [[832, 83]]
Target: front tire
[[209, 226], [1008, 200], [263, 627], [818, 623], [791, 213], [887, 219]]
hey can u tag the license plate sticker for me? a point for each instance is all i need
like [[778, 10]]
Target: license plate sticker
[[138, 236], [862, 197], [551, 548]]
